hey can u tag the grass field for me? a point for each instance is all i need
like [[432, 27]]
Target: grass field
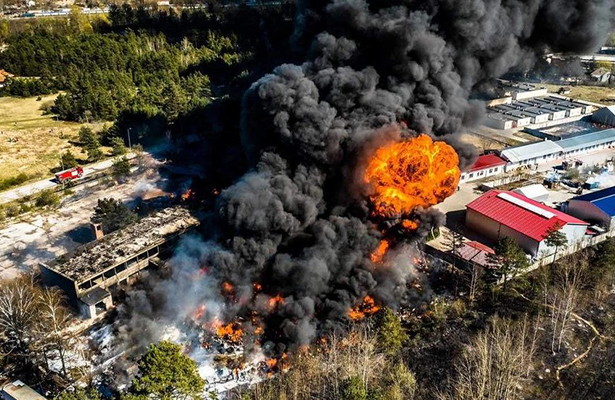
[[40, 139], [595, 94]]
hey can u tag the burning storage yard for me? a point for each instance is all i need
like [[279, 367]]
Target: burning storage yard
[[347, 157]]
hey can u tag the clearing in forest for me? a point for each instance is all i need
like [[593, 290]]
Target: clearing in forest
[[30, 141]]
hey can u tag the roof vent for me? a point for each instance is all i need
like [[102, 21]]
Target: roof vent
[[527, 206]]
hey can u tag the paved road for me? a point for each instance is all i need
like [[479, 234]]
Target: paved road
[[39, 237], [35, 187]]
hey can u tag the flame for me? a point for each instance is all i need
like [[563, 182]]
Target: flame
[[227, 288], [410, 174], [367, 307], [187, 195], [275, 301], [231, 331], [410, 225], [257, 287], [380, 252], [198, 314]]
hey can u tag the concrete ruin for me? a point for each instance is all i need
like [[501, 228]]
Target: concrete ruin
[[90, 273]]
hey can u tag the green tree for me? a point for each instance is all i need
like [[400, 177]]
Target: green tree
[[508, 259], [453, 241], [353, 389], [119, 148], [556, 238], [112, 214], [95, 154], [79, 394], [391, 335], [77, 22], [68, 160], [121, 167], [165, 373], [4, 29], [87, 138]]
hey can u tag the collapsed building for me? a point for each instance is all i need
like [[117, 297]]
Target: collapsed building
[[90, 273]]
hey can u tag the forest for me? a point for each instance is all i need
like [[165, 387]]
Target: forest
[[157, 73]]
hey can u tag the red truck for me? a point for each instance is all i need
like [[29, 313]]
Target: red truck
[[69, 174]]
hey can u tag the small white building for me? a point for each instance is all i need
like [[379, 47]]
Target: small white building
[[498, 121], [485, 166], [535, 192]]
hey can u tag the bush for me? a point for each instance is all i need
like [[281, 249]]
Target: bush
[[47, 198], [353, 389], [12, 210], [46, 107], [94, 154], [14, 181]]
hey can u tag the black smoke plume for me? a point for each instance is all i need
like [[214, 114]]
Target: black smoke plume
[[298, 223]]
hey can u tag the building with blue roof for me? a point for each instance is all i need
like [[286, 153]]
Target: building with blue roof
[[597, 207]]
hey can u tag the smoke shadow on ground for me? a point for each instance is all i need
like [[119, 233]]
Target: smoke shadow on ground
[[81, 234]]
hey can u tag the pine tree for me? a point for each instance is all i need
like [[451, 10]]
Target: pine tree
[[68, 160], [508, 259], [555, 238], [165, 373], [113, 215], [391, 335]]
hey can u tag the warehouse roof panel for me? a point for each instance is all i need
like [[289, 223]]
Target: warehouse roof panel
[[530, 151], [521, 214], [589, 139], [603, 199]]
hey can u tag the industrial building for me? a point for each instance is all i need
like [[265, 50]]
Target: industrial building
[[548, 150], [498, 214], [545, 110], [485, 166], [89, 274], [605, 116], [597, 207]]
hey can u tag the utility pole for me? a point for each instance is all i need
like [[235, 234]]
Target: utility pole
[[129, 144]]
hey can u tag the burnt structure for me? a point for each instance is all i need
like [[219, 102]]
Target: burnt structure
[[89, 274]]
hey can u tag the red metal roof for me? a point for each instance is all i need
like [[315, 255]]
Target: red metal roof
[[521, 214], [486, 161], [475, 252], [481, 247]]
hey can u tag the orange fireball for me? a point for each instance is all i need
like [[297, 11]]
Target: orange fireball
[[415, 173]]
